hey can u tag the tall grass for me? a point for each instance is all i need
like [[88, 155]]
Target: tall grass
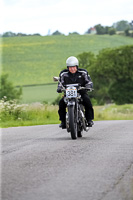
[[12, 114], [114, 112]]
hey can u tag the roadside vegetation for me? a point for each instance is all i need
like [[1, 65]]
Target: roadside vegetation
[[13, 114]]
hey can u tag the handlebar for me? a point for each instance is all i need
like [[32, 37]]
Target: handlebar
[[80, 88], [75, 85], [84, 88]]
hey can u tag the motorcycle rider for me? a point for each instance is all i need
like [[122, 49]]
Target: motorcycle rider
[[73, 75]]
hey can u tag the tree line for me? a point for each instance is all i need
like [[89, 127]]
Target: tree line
[[11, 34], [121, 26]]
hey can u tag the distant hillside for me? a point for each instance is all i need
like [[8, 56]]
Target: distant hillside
[[36, 59]]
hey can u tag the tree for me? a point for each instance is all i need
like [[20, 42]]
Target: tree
[[36, 34], [9, 34], [112, 31], [57, 33], [121, 25], [131, 25], [100, 29], [112, 73], [127, 32], [86, 59], [121, 91], [74, 33], [7, 89]]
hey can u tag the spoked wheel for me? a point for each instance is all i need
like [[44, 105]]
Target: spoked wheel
[[72, 123]]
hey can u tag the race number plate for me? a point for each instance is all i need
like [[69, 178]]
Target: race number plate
[[71, 92]]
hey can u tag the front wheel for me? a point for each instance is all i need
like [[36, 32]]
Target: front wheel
[[72, 122]]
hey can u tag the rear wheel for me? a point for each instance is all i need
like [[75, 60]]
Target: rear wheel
[[72, 122]]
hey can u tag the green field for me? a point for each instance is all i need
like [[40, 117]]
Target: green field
[[42, 93], [36, 59]]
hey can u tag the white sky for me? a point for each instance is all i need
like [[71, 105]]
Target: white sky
[[40, 16]]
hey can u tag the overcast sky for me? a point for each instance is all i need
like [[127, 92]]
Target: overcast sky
[[43, 16]]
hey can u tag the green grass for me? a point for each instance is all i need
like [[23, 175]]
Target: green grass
[[114, 112], [43, 93], [39, 114], [33, 114], [36, 59]]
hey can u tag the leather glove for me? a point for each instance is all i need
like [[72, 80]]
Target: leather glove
[[88, 86], [59, 90]]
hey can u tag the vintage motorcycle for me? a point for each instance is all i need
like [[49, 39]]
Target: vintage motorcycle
[[75, 115]]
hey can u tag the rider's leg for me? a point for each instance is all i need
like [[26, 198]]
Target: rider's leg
[[89, 112], [62, 113]]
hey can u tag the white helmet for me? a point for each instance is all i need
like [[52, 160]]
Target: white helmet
[[72, 61]]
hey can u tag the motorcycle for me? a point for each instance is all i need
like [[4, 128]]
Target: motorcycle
[[75, 115]]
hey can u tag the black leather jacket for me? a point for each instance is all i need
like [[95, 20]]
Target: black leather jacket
[[81, 77]]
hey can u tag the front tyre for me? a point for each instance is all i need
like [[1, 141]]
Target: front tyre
[[72, 122]]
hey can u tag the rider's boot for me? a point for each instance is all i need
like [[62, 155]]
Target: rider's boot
[[63, 125], [90, 123]]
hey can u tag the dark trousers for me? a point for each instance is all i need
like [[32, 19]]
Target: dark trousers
[[89, 112]]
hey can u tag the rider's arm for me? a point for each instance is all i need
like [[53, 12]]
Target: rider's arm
[[87, 78], [88, 81], [61, 80]]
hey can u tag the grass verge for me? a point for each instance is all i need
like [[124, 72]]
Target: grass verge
[[39, 114]]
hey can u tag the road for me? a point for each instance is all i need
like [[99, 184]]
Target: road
[[43, 163]]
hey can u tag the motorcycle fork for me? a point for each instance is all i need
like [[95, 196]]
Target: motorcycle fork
[[76, 110]]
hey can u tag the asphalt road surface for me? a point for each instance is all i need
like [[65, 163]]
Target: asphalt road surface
[[43, 163]]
